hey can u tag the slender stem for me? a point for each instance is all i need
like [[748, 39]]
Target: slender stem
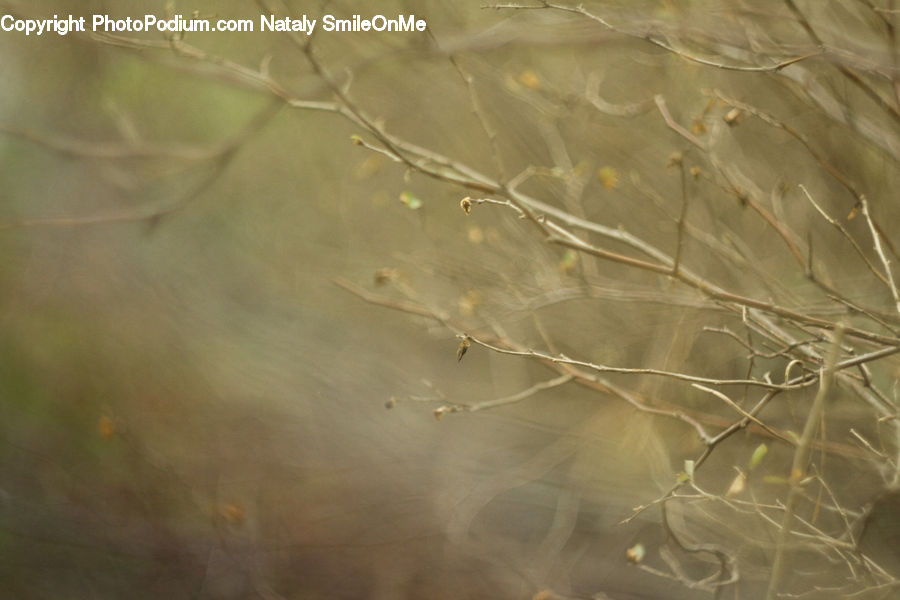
[[799, 466]]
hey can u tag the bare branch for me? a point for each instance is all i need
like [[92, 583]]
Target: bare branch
[[876, 238], [562, 359], [667, 117], [799, 467], [658, 42], [512, 399]]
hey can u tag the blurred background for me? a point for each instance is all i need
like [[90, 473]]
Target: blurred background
[[190, 407]]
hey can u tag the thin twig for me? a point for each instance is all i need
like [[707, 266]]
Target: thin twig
[[846, 71], [478, 110], [592, 93], [660, 43], [837, 225], [876, 238], [740, 410], [562, 359], [667, 117], [681, 217], [799, 467], [517, 397]]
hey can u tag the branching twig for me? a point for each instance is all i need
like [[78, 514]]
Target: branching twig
[[876, 238], [837, 225], [799, 467], [846, 71], [667, 117], [740, 410], [660, 43], [562, 359], [517, 397]]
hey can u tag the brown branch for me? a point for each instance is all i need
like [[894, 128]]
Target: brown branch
[[876, 239], [568, 239], [679, 244], [846, 71], [581, 377], [667, 117], [459, 174], [741, 411], [478, 110], [562, 359], [746, 198], [799, 466], [512, 399], [594, 382], [592, 94], [580, 10], [837, 225]]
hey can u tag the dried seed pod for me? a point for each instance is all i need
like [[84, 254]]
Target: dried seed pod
[[733, 116], [463, 348]]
